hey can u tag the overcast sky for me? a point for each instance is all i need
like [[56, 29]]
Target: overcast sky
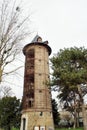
[[62, 22]]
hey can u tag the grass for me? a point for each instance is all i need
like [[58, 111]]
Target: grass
[[68, 129], [58, 129], [15, 129], [12, 129]]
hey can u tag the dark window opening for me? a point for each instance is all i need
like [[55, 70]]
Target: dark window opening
[[30, 103], [40, 60], [24, 123], [40, 91], [49, 92], [41, 113]]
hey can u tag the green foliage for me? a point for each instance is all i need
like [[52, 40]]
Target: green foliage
[[9, 112], [70, 129], [70, 67], [12, 128], [70, 76]]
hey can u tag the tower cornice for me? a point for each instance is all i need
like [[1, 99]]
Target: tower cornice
[[45, 44]]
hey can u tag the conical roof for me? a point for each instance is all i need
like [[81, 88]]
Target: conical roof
[[36, 39]]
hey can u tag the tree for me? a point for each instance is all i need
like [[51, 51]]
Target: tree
[[13, 29], [56, 114], [10, 108], [71, 103], [70, 76], [5, 91]]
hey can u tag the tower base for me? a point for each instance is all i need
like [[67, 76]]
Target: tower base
[[37, 121]]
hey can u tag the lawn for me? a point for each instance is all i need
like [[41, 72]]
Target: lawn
[[15, 129], [12, 129], [58, 129], [68, 129]]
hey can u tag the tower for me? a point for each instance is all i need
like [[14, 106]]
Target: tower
[[37, 109]]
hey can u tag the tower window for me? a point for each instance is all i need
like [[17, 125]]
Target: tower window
[[41, 113], [30, 104], [39, 39], [40, 60], [24, 123], [40, 91]]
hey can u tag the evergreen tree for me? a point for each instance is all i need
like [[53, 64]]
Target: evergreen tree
[[56, 114], [70, 77], [10, 116]]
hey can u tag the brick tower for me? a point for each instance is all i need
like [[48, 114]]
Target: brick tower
[[37, 109]]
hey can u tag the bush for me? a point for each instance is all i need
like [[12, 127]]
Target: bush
[[63, 123]]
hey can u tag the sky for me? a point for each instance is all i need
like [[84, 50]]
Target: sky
[[62, 22]]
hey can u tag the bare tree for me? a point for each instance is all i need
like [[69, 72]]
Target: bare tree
[[5, 91], [13, 31]]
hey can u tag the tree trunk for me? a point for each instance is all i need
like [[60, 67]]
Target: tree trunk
[[8, 128], [77, 119], [84, 117], [83, 109], [0, 74]]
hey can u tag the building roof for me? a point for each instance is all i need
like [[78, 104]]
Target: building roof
[[36, 39]]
